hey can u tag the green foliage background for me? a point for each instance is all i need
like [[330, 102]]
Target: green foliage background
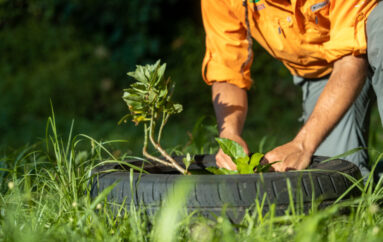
[[76, 53]]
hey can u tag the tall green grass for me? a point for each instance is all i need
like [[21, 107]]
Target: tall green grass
[[45, 197]]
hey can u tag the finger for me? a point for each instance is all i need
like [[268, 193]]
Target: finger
[[218, 160], [291, 169], [228, 163], [227, 166], [220, 163], [278, 167], [269, 157], [224, 161]]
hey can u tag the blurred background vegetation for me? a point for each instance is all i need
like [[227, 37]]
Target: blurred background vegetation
[[76, 54]]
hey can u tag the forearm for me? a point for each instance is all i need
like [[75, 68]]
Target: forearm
[[230, 105], [343, 87]]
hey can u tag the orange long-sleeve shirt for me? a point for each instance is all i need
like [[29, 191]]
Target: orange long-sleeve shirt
[[307, 36]]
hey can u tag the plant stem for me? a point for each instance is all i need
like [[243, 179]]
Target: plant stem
[[162, 151], [149, 156], [165, 117]]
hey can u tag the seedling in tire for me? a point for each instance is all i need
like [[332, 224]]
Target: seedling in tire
[[149, 102], [245, 164]]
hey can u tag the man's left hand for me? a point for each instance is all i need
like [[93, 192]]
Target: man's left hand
[[292, 156]]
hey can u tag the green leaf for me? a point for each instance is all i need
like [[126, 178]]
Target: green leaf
[[147, 73], [187, 160], [244, 169], [163, 92], [131, 96], [243, 166], [266, 167], [231, 148], [152, 96], [177, 108], [243, 160], [160, 73], [220, 171], [134, 105], [139, 88], [138, 74], [255, 160]]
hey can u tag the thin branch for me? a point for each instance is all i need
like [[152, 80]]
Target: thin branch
[[165, 117], [145, 137], [149, 156], [164, 153]]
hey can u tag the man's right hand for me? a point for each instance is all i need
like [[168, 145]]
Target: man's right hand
[[230, 105], [223, 160]]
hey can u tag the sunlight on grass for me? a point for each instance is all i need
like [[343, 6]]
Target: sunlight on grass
[[172, 211], [45, 197]]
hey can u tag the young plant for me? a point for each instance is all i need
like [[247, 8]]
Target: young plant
[[245, 164], [149, 102]]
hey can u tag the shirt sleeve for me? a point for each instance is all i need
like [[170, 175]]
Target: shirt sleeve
[[226, 45], [347, 28]]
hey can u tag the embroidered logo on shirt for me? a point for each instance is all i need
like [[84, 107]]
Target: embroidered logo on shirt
[[258, 6], [318, 6]]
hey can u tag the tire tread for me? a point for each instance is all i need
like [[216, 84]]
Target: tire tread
[[211, 193]]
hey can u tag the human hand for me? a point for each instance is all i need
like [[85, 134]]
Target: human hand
[[292, 156], [223, 160]]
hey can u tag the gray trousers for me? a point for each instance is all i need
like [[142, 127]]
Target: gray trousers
[[352, 130]]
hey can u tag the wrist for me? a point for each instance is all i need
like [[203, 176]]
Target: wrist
[[235, 137], [306, 141], [229, 134]]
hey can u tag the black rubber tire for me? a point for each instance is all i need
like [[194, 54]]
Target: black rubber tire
[[238, 192]]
